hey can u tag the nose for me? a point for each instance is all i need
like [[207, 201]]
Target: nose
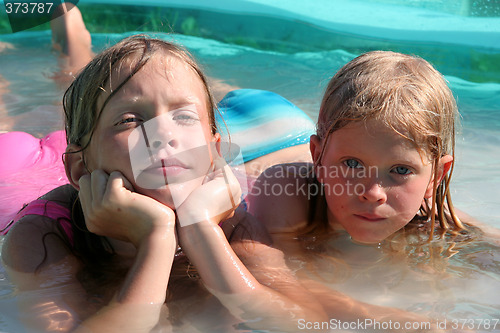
[[374, 192], [159, 133], [166, 142]]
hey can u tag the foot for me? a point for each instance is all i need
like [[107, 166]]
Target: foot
[[5, 46]]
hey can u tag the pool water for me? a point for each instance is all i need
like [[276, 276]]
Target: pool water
[[293, 49]]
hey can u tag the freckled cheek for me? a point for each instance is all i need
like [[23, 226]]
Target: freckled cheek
[[191, 137], [406, 201], [339, 200], [345, 187], [334, 178], [109, 154]]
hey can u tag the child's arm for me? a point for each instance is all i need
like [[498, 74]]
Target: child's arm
[[343, 308], [225, 275], [110, 210], [265, 296]]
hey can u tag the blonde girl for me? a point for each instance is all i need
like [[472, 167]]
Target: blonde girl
[[383, 154], [382, 162]]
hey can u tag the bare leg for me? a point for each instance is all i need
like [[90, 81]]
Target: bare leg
[[7, 122], [71, 38]]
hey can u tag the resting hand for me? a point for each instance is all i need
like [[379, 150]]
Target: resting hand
[[111, 209], [215, 200]]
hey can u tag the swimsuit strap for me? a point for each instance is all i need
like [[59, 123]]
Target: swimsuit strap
[[49, 209]]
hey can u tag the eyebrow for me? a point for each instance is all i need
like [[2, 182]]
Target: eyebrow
[[176, 102], [395, 161], [120, 100]]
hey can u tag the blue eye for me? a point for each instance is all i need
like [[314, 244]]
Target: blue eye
[[183, 117], [351, 163], [401, 170]]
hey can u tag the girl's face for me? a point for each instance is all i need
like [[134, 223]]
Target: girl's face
[[374, 180], [155, 130]]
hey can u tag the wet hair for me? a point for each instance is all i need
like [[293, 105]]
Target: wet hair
[[410, 97], [82, 109]]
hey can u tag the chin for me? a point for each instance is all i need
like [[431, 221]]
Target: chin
[[366, 241], [161, 195], [369, 238], [171, 195]]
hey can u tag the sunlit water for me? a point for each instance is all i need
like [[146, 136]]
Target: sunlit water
[[469, 286]]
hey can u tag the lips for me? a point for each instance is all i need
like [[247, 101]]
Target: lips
[[165, 163], [370, 217], [167, 167]]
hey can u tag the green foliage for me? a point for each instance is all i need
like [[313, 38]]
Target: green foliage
[[190, 27]]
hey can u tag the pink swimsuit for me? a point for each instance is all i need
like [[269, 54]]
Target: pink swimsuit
[[49, 209], [29, 168]]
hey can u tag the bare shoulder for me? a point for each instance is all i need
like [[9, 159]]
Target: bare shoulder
[[246, 228], [294, 154], [254, 246], [490, 231], [35, 240], [32, 242], [36, 257], [279, 197], [63, 195]]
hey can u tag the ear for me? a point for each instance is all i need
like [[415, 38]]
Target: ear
[[217, 140], [444, 165], [74, 164], [315, 148]]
